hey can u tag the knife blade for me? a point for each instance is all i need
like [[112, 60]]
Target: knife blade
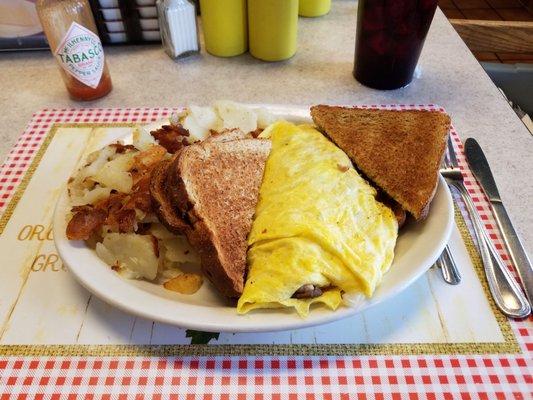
[[480, 168]]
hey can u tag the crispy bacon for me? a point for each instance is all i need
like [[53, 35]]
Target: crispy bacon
[[122, 148], [118, 211], [121, 208], [256, 133], [115, 201], [111, 204], [85, 207], [171, 137], [140, 197], [155, 245], [142, 228], [144, 163], [148, 158], [118, 217], [126, 220], [85, 222]]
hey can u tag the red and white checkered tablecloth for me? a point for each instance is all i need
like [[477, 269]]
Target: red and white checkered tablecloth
[[277, 377]]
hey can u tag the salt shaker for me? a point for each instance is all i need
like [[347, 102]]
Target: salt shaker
[[179, 31]]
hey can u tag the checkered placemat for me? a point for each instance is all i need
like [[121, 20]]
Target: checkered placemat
[[281, 377]]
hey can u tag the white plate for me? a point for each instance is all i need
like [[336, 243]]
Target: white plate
[[418, 247]]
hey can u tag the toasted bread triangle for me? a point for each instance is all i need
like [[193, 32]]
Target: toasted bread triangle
[[400, 151], [208, 191], [166, 212], [216, 183]]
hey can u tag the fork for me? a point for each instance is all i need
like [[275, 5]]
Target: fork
[[448, 267], [445, 262], [505, 291]]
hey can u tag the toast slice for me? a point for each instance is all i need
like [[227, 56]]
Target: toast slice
[[215, 184], [400, 151], [168, 214]]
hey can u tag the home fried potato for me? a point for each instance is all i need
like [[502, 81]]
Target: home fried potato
[[185, 283]]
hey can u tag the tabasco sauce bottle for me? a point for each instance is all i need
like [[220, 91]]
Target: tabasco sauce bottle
[[71, 32]]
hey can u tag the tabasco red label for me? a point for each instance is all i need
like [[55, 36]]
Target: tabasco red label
[[80, 53]]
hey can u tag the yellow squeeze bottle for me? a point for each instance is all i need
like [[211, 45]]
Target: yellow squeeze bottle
[[273, 28], [314, 8], [224, 23]]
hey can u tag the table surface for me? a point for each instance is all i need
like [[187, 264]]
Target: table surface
[[320, 72]]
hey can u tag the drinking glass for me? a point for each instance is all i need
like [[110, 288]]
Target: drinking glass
[[390, 37]]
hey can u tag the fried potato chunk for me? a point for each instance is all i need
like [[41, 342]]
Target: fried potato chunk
[[185, 283]]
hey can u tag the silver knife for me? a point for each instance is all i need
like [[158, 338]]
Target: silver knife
[[480, 167]]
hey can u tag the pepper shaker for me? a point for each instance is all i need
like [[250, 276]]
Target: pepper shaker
[[179, 30]]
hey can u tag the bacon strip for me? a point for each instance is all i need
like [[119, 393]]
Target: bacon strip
[[85, 223], [126, 220], [171, 137], [140, 197], [122, 148], [118, 211], [256, 133]]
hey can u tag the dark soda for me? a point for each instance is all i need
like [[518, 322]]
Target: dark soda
[[390, 36]]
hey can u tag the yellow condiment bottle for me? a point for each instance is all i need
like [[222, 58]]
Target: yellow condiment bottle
[[224, 23], [314, 8], [273, 28]]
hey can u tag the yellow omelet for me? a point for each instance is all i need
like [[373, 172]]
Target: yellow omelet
[[317, 222]]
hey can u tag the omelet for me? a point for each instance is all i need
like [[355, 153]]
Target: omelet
[[317, 223]]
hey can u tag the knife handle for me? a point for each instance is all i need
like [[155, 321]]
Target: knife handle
[[505, 291], [516, 249]]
